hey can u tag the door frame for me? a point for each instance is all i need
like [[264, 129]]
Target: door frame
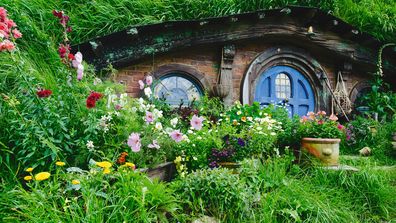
[[295, 58]]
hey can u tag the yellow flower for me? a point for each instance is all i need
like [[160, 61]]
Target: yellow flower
[[178, 159], [29, 170], [75, 182], [104, 164], [42, 176], [106, 170], [131, 165], [28, 178], [59, 163], [243, 119]]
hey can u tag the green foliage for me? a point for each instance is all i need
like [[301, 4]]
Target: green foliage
[[123, 196], [216, 192]]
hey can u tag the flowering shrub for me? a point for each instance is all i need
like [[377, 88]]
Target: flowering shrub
[[320, 126], [8, 32]]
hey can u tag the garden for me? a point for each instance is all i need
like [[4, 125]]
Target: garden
[[76, 148]]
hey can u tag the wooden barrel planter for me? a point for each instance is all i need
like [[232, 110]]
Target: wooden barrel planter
[[326, 150], [163, 172]]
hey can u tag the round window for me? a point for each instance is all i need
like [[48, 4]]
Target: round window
[[176, 89]]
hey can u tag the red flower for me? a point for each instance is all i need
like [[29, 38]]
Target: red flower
[[95, 95], [44, 93], [91, 103], [70, 56], [340, 127], [92, 98], [57, 13]]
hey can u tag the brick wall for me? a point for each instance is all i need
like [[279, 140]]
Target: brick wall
[[206, 60]]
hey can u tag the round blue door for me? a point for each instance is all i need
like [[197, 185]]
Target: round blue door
[[280, 84]]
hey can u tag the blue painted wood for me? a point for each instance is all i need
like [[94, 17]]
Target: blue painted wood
[[302, 98]]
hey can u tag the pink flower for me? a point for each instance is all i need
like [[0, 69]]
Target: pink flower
[[311, 115], [134, 142], [16, 33], [7, 45], [320, 122], [321, 113], [80, 72], [10, 23], [149, 117], [196, 122], [304, 119], [149, 80], [340, 127], [141, 84], [3, 13], [154, 145], [333, 117], [117, 107], [77, 60], [176, 135]]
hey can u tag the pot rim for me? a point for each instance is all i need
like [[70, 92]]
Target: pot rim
[[321, 140]]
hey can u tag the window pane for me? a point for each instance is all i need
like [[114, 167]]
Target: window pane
[[282, 86], [176, 89]]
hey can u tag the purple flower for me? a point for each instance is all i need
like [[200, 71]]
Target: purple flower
[[241, 142], [176, 135], [134, 142], [196, 122], [149, 117], [154, 145]]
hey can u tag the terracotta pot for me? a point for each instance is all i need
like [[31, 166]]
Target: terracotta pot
[[327, 150]]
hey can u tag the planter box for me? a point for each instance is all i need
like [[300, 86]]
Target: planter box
[[326, 150], [163, 172]]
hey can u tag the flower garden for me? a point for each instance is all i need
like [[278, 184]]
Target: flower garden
[[75, 148]]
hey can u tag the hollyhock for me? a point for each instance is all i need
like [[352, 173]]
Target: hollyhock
[[3, 13], [134, 142], [196, 122], [321, 113], [44, 93], [154, 145], [149, 117], [141, 84], [149, 80], [70, 56], [16, 33], [80, 72], [176, 135], [333, 117]]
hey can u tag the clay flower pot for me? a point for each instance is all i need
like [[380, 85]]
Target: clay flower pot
[[327, 150]]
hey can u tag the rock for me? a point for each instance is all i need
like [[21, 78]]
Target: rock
[[206, 219], [366, 151]]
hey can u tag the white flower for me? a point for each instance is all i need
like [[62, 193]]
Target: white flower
[[199, 137], [158, 126], [173, 122], [90, 145], [168, 130], [141, 101], [134, 109], [189, 131], [147, 91], [239, 112], [157, 114], [195, 158], [273, 133], [249, 119]]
